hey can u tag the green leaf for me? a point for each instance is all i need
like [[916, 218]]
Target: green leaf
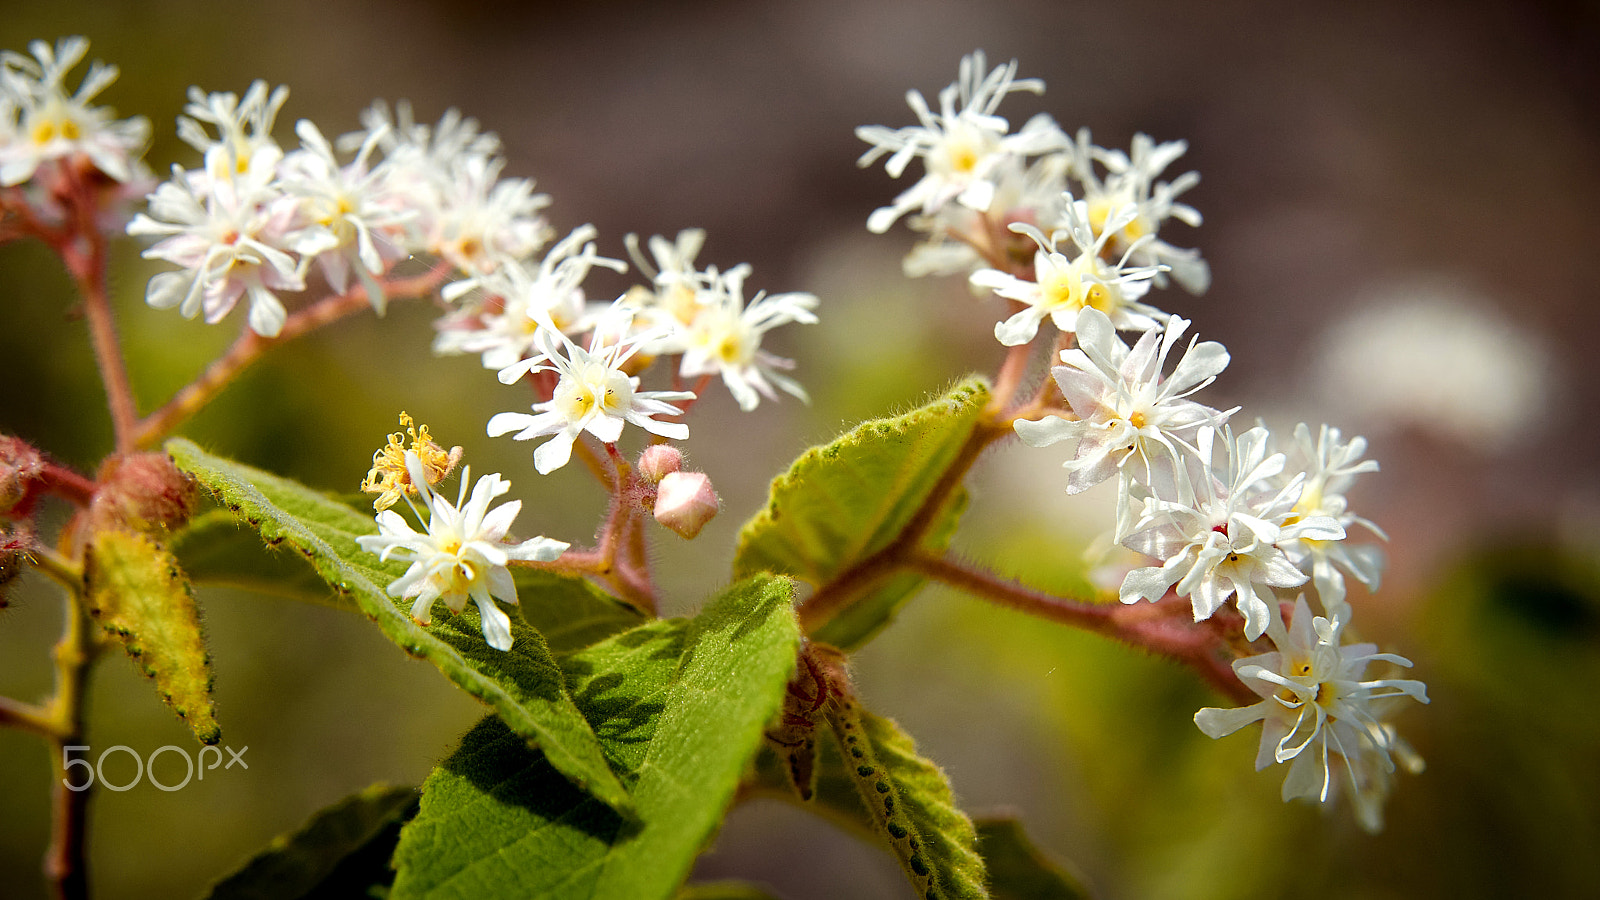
[[217, 549], [679, 704], [343, 851], [910, 802], [524, 685], [137, 592], [840, 504], [1018, 870]]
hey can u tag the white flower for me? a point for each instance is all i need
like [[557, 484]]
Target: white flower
[[348, 220], [1331, 467], [1220, 539], [725, 338], [229, 232], [1062, 287], [522, 299], [1131, 182], [480, 221], [1316, 706], [593, 395], [463, 554], [1126, 410], [244, 126], [961, 148], [40, 121]]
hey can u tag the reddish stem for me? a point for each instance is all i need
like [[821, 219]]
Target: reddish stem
[[250, 346], [1158, 627]]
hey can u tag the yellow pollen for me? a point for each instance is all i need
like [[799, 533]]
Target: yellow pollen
[[389, 477], [45, 131], [1138, 419]]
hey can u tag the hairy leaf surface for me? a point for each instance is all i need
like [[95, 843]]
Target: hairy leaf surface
[[342, 851], [524, 685], [843, 502], [137, 592], [679, 705]]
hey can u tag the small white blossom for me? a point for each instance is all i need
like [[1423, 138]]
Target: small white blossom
[[1220, 539], [962, 147], [725, 338], [1131, 182], [522, 299], [243, 126], [1126, 410], [40, 121], [1331, 466], [1063, 286], [348, 222], [480, 221], [594, 394], [229, 232], [1316, 708], [462, 555]]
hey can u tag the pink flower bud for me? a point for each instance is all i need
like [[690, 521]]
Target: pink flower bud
[[143, 492], [685, 502], [658, 461], [20, 464]]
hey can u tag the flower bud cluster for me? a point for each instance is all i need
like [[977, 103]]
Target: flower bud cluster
[[1222, 515]]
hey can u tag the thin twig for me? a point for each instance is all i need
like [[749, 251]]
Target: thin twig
[[1153, 627], [250, 346]]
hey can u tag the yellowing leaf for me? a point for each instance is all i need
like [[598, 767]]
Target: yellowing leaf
[[137, 593]]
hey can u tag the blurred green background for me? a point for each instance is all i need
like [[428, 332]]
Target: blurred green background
[[1365, 170]]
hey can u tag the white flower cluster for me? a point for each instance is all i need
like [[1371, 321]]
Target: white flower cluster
[[40, 122], [256, 218], [523, 319], [1223, 515]]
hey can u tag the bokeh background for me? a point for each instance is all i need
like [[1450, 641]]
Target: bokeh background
[[1401, 217]]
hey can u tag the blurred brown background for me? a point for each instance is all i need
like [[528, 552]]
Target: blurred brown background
[[1401, 216]]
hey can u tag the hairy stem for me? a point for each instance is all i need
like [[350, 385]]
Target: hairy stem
[[66, 859], [848, 586], [83, 252], [1153, 627]]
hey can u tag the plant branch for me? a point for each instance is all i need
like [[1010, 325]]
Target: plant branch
[[1153, 627], [82, 249], [66, 860], [250, 347], [845, 587]]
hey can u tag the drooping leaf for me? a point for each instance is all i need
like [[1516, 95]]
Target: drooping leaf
[[217, 549], [137, 592], [343, 851], [679, 705], [841, 503], [1018, 870], [524, 685], [910, 802]]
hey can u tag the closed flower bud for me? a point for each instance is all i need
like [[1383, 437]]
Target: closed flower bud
[[658, 461], [144, 492], [685, 502], [19, 465]]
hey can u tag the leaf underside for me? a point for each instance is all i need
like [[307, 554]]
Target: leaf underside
[[524, 685], [843, 502], [678, 704], [342, 851], [137, 592]]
